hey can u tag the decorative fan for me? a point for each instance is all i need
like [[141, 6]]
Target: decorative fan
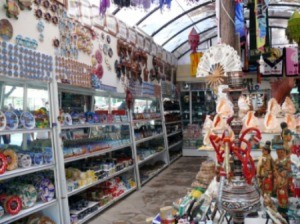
[[216, 62]]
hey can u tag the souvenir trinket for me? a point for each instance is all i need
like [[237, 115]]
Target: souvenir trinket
[[38, 13], [25, 4], [47, 16], [37, 2], [2, 121], [54, 8], [56, 43], [46, 4], [12, 9], [54, 20], [27, 120], [6, 30], [12, 120]]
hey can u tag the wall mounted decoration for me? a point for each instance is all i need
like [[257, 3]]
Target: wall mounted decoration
[[153, 48], [111, 24], [38, 13], [140, 41], [46, 4], [47, 17], [40, 28], [131, 36], [62, 2], [122, 30], [25, 4], [17, 61], [12, 9], [108, 40], [54, 20], [6, 30], [26, 42], [147, 45], [37, 2], [54, 8], [56, 43], [73, 72]]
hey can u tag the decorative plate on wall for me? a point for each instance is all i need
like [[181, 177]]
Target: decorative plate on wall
[[27, 120], [2, 121], [12, 120], [6, 29]]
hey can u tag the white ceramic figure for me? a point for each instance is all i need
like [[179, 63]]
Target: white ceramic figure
[[224, 107]]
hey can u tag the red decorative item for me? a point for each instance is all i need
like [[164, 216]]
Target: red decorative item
[[12, 205], [194, 39], [98, 56], [3, 163], [296, 150], [242, 154], [99, 71], [129, 99]]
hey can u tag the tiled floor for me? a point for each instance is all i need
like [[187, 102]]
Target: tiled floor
[[162, 190]]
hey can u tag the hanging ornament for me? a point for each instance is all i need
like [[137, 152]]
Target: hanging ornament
[[104, 5]]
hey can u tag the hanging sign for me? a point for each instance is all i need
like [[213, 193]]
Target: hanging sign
[[111, 24], [147, 45], [132, 36], [153, 49], [122, 30], [140, 41], [292, 64], [273, 65]]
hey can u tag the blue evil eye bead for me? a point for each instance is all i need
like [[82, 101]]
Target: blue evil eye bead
[[4, 44], [10, 47], [4, 51], [16, 74], [9, 66], [15, 67], [16, 47]]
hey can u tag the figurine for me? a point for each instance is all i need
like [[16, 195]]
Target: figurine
[[25, 4], [282, 171], [12, 9], [286, 136], [265, 169]]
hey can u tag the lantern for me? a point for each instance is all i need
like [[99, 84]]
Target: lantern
[[194, 40], [293, 28]]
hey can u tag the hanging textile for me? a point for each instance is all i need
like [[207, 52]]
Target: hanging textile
[[261, 23], [239, 19], [195, 59], [291, 61]]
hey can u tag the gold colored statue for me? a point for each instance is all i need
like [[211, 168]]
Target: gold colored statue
[[265, 169], [286, 136], [282, 172]]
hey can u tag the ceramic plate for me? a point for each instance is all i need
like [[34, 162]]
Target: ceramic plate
[[67, 119], [2, 121], [27, 120], [6, 30], [12, 120]]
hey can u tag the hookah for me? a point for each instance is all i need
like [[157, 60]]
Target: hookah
[[238, 191]]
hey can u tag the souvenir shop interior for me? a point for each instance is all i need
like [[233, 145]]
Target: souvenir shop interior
[[149, 111]]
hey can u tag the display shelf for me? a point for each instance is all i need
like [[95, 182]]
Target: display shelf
[[174, 133], [100, 209], [24, 171], [146, 120], [154, 174], [175, 144], [175, 158], [25, 212], [25, 131], [91, 204], [171, 111], [150, 157], [77, 126], [173, 122], [97, 153], [148, 138], [99, 181]]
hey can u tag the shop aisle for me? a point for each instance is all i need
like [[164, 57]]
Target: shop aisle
[[162, 190]]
